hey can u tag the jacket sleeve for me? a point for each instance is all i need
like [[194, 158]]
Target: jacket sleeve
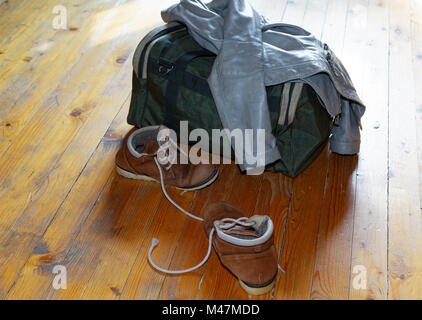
[[345, 135]]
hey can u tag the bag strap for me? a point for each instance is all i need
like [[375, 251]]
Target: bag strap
[[175, 72]]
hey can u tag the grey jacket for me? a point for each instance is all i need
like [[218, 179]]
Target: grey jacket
[[252, 54]]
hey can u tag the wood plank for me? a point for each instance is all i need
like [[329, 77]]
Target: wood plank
[[335, 25], [405, 225], [101, 286], [46, 193], [39, 187], [119, 252], [273, 9], [17, 18], [35, 38], [294, 12], [102, 226], [57, 167], [332, 263], [35, 279], [274, 200], [189, 252], [315, 17], [298, 251], [103, 252], [33, 77], [370, 222], [44, 182], [144, 282], [47, 187], [333, 260], [417, 77], [5, 6]]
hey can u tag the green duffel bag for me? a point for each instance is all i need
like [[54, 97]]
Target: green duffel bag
[[170, 85]]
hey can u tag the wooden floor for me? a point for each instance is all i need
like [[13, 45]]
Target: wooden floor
[[63, 105]]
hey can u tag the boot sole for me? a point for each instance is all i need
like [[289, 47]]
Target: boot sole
[[256, 291], [131, 175]]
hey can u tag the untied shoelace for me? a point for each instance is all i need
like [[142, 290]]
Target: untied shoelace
[[228, 223]]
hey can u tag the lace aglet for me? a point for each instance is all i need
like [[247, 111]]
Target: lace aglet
[[154, 242]]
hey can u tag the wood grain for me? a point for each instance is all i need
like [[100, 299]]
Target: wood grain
[[333, 259], [189, 252], [298, 254], [416, 20], [144, 282], [38, 187], [298, 251], [405, 221], [57, 242], [370, 221], [64, 97]]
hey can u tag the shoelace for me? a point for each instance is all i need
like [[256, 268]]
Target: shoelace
[[229, 223], [175, 145]]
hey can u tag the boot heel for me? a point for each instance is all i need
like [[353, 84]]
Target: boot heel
[[256, 291]]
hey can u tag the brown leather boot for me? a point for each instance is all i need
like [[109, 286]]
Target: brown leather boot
[[137, 159], [244, 245]]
